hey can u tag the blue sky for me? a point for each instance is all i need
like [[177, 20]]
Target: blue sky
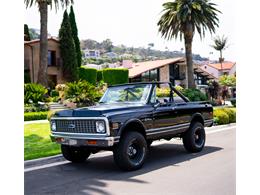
[[134, 23]]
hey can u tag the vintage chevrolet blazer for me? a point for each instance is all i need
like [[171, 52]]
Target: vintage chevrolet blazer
[[127, 119]]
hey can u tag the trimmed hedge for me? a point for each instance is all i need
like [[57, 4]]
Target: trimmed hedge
[[88, 74], [194, 95], [30, 116], [231, 112], [221, 117], [224, 115], [113, 76], [100, 75]]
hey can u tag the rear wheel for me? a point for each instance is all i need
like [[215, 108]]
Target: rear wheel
[[194, 139], [75, 154], [131, 151]]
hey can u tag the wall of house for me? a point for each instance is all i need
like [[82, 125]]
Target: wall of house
[[211, 70], [34, 62], [164, 74], [232, 71]]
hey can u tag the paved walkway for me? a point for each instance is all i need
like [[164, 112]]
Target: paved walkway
[[36, 121]]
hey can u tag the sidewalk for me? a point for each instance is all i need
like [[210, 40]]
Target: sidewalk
[[36, 121]]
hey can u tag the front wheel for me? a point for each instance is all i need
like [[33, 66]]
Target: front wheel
[[74, 154], [131, 151], [194, 139]]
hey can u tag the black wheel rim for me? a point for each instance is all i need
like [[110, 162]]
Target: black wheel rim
[[199, 137], [135, 152]]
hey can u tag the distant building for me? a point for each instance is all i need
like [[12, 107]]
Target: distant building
[[215, 69], [91, 53], [111, 55], [32, 60]]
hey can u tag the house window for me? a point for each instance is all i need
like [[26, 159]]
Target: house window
[[151, 75], [51, 58]]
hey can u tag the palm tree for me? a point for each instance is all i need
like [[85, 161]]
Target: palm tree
[[220, 43], [43, 9], [182, 18]]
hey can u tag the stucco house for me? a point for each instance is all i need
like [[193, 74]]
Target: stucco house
[[32, 60], [169, 70], [91, 53], [227, 68]]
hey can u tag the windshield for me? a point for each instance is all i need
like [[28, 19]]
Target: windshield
[[129, 93]]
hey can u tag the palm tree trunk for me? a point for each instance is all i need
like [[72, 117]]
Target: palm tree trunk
[[188, 36], [42, 73], [221, 60]]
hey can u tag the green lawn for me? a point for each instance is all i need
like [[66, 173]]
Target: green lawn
[[37, 142]]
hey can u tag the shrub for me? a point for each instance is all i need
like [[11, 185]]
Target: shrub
[[88, 74], [54, 93], [34, 92], [100, 75], [35, 108], [194, 94], [113, 76], [231, 114], [179, 88], [81, 92], [162, 92], [220, 117], [30, 116]]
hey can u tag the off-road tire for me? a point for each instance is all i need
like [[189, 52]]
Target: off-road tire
[[75, 154], [194, 139], [131, 151]]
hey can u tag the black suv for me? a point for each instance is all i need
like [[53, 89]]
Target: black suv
[[127, 119]]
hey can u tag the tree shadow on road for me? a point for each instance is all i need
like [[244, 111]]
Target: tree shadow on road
[[92, 177]]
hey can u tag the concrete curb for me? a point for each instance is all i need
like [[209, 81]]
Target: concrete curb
[[36, 121], [43, 161], [221, 126], [59, 157]]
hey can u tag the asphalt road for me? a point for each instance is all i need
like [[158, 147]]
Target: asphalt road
[[168, 170]]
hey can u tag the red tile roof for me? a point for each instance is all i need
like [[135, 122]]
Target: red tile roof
[[225, 65], [38, 40], [141, 67]]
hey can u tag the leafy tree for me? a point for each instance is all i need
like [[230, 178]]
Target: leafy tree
[[227, 80], [74, 30], [220, 44], [26, 33], [107, 45], [68, 50], [181, 18], [33, 34], [43, 9]]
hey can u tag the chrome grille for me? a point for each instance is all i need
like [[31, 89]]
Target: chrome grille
[[76, 126]]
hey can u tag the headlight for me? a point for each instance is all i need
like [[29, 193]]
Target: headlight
[[53, 126], [100, 127]]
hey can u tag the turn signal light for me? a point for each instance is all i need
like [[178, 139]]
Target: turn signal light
[[92, 142], [59, 139]]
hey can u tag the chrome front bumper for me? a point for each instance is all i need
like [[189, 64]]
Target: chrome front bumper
[[79, 140]]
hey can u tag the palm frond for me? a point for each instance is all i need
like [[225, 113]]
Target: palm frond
[[201, 14]]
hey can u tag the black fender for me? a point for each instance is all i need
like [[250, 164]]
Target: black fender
[[133, 121], [197, 117]]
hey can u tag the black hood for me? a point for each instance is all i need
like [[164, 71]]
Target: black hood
[[101, 110]]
